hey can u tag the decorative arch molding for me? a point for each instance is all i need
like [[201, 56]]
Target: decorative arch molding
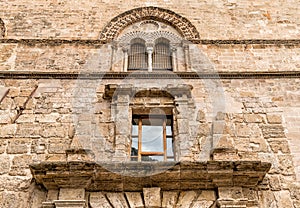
[[118, 23], [2, 28], [149, 37]]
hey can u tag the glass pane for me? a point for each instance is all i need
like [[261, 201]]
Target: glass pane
[[134, 146], [153, 158], [152, 139], [170, 147], [134, 130], [169, 130]]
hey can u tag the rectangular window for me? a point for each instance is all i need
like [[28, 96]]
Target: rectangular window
[[152, 138]]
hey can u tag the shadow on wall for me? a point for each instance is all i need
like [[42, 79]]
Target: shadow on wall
[[2, 28]]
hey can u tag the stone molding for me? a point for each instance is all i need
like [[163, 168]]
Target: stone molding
[[124, 176], [118, 23], [99, 43], [149, 37], [146, 75]]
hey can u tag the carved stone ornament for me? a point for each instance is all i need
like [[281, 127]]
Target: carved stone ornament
[[181, 24]]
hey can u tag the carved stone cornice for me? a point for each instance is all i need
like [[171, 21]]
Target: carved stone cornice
[[147, 75], [133, 176], [99, 43]]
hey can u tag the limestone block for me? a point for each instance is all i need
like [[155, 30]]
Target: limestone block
[[218, 127], [283, 199], [18, 146], [3, 144], [286, 164], [69, 203], [186, 198], [7, 130], [117, 200], [207, 195], [279, 145], [183, 126], [230, 193], [253, 118], [3, 92], [203, 204], [4, 164], [274, 119], [55, 157], [54, 130], [273, 131], [71, 194], [204, 129], [274, 182], [58, 145], [243, 130], [223, 141], [169, 199], [201, 116], [26, 118], [152, 197], [258, 144], [20, 165], [28, 130], [47, 118], [52, 194], [134, 199], [38, 146], [97, 199]]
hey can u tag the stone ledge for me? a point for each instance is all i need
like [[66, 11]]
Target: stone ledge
[[146, 75], [134, 176]]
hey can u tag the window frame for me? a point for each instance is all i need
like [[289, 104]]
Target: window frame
[[165, 137]]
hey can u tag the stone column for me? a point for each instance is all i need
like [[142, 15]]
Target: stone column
[[174, 59], [186, 56], [114, 48], [149, 52], [125, 59]]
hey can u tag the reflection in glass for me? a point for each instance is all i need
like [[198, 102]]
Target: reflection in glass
[[152, 138]]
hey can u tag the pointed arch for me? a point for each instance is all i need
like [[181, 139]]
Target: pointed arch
[[2, 28], [118, 23]]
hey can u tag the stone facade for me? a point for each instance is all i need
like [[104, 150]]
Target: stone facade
[[67, 101]]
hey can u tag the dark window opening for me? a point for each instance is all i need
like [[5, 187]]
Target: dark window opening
[[137, 55], [162, 58]]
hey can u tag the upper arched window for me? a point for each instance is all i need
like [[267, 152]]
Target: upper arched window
[[137, 55], [162, 57]]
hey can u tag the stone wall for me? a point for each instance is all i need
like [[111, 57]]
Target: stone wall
[[86, 57], [253, 122], [236, 117], [214, 20]]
